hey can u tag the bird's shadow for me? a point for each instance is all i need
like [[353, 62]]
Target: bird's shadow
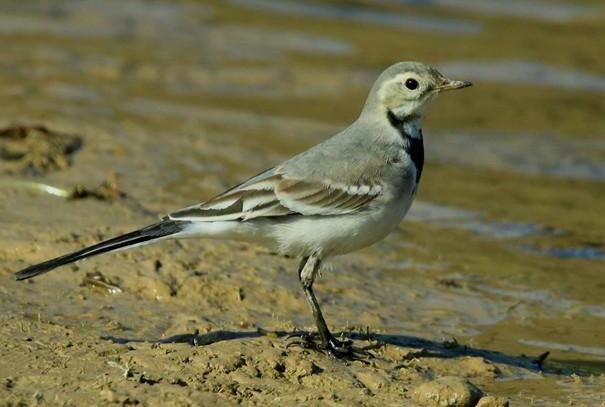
[[423, 347]]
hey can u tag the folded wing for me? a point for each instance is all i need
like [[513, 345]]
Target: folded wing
[[272, 194]]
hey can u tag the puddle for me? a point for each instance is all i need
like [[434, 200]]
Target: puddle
[[541, 297], [364, 15], [250, 81], [409, 264], [179, 25], [229, 118], [564, 347], [577, 253], [519, 72], [448, 217], [505, 230], [596, 311], [102, 19], [430, 212], [256, 38], [530, 153], [74, 93], [455, 218], [589, 253], [535, 9]]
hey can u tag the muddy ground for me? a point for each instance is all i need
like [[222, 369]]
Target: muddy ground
[[114, 113]]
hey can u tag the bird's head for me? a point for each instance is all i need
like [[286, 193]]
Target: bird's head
[[407, 89]]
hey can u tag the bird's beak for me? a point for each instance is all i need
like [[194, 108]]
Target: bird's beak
[[450, 84]]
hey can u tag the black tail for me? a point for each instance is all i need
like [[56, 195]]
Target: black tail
[[147, 234]]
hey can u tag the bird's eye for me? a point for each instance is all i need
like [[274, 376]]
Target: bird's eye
[[411, 84]]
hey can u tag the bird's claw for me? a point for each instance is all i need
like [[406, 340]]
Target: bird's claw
[[304, 340], [332, 346], [341, 349]]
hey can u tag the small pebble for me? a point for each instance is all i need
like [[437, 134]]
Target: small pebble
[[448, 391], [491, 401], [108, 395]]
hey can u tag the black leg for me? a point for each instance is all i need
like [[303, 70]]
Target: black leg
[[307, 271]]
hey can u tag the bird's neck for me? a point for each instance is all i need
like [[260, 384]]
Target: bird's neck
[[407, 126]]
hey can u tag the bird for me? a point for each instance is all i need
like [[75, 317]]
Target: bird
[[339, 196]]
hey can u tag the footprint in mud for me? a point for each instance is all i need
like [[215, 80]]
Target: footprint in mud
[[35, 150]]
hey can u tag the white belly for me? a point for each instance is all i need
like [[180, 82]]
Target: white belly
[[334, 235]]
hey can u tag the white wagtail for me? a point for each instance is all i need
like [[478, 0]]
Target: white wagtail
[[344, 194]]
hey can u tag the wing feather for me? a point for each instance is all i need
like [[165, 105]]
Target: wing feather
[[324, 198], [273, 195]]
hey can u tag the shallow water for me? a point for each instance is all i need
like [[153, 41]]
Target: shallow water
[[364, 15], [503, 251], [518, 72], [540, 10], [542, 154]]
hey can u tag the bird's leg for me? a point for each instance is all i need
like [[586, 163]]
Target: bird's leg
[[309, 266]]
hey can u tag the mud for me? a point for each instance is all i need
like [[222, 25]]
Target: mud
[[33, 150], [499, 262]]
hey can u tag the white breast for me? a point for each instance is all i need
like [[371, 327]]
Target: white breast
[[335, 235]]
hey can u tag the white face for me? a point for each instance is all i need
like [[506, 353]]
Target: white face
[[408, 94]]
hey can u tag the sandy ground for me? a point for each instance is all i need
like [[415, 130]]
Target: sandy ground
[[72, 340]]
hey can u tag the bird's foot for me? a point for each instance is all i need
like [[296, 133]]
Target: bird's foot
[[332, 346], [341, 349], [303, 340]]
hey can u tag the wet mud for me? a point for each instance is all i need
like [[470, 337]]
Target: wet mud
[[33, 150]]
